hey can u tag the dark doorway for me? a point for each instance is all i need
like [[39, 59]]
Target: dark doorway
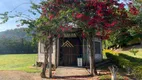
[[70, 50]]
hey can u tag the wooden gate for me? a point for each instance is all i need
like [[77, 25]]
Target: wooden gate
[[70, 50]]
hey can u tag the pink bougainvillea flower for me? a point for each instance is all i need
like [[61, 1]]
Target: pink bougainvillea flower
[[98, 33], [83, 35], [99, 13], [121, 6], [107, 24], [79, 15], [134, 11], [62, 28], [84, 17], [59, 36], [69, 27], [73, 14], [113, 23], [51, 17], [49, 36]]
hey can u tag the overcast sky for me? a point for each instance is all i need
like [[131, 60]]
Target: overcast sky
[[16, 5]]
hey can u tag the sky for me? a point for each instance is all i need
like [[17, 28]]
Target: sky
[[14, 5]]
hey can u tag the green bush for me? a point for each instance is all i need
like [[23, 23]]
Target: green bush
[[121, 62], [131, 64], [112, 57], [124, 63], [132, 59], [137, 72]]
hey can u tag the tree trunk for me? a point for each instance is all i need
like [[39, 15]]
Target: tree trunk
[[56, 54], [50, 58], [43, 73], [92, 56], [48, 51], [50, 64]]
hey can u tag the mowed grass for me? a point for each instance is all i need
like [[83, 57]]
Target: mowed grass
[[127, 52], [21, 62]]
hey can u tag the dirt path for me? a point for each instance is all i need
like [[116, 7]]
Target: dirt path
[[18, 75], [61, 73]]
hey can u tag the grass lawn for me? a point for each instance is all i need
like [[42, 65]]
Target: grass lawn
[[138, 55], [22, 62]]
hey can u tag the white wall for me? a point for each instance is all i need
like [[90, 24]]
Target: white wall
[[98, 57], [41, 52]]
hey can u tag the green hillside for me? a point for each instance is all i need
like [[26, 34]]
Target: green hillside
[[15, 34], [16, 41]]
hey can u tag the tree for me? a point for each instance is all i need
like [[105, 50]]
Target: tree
[[99, 18]]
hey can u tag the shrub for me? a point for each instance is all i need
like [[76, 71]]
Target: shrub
[[131, 64], [113, 58], [137, 72], [124, 63], [121, 62], [132, 59]]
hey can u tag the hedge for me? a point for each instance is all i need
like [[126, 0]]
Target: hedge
[[119, 61], [131, 64]]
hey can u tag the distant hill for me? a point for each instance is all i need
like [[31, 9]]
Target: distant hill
[[15, 34], [16, 41]]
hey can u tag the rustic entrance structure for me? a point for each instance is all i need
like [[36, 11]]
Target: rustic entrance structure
[[67, 49]]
